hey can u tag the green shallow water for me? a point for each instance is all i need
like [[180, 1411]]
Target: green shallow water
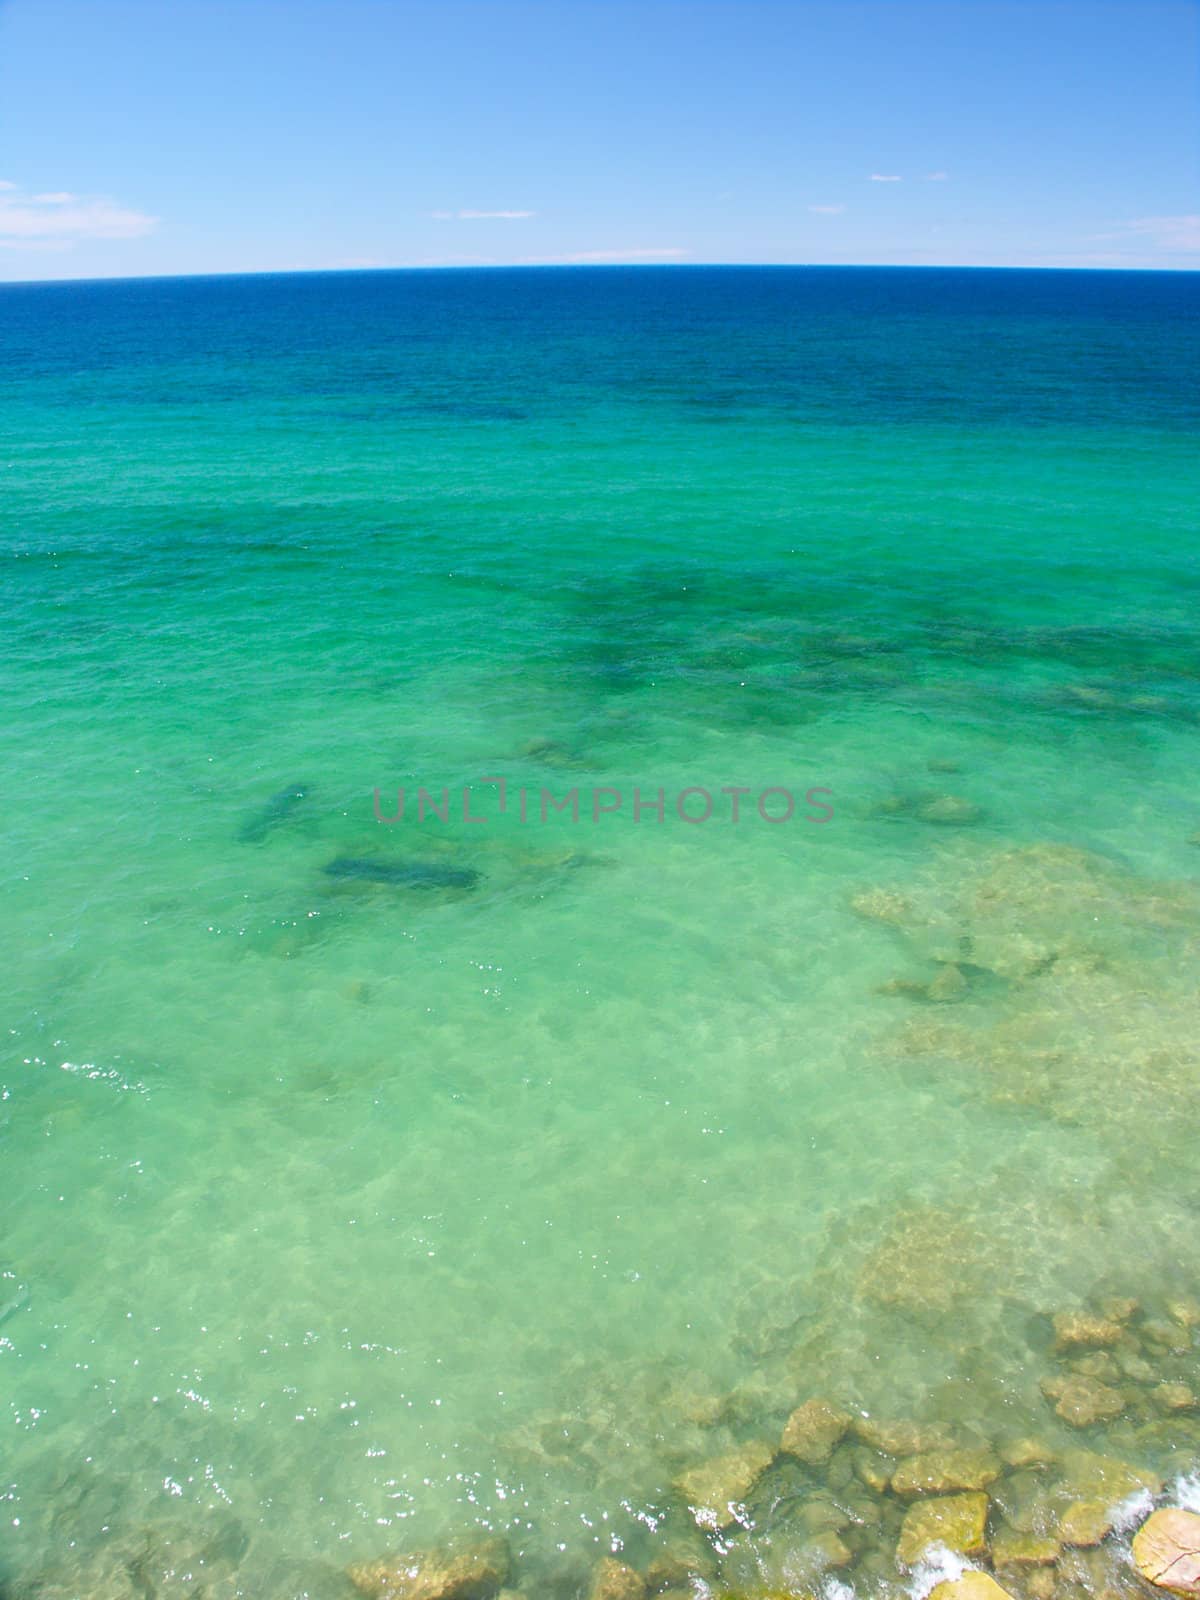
[[342, 1214]]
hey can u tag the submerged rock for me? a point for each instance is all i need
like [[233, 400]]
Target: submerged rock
[[680, 1562], [944, 1472], [1085, 1523], [949, 810], [813, 1430], [1135, 1366], [715, 1489], [1166, 1550], [1027, 1453], [1088, 1475], [1172, 1337], [949, 985], [946, 988], [825, 1551], [903, 1438], [1080, 1330], [1012, 1549], [613, 1580], [1026, 1500], [278, 810], [959, 1522], [882, 905], [1174, 1397], [1082, 1401], [400, 874], [474, 1573], [1097, 1364], [821, 1514], [873, 1469], [929, 1262]]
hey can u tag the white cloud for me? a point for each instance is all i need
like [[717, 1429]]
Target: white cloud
[[886, 177], [827, 211], [58, 220], [1168, 233], [480, 216], [936, 177], [4, 184], [581, 257]]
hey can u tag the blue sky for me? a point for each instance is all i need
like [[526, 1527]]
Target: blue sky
[[169, 136]]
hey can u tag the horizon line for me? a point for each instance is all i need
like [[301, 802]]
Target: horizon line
[[581, 266]]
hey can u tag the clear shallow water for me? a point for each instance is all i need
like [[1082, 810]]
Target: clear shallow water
[[341, 1215]]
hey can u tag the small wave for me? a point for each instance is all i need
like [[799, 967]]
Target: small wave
[[1135, 1508], [940, 1565]]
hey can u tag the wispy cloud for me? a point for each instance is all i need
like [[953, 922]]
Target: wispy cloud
[[481, 216], [936, 177], [827, 211], [886, 177], [581, 257], [59, 220], [1168, 233], [5, 184]]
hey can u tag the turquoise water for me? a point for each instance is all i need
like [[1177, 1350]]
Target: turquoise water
[[506, 1169]]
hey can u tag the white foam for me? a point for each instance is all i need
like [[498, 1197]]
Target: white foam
[[1135, 1508], [1185, 1491], [938, 1565]]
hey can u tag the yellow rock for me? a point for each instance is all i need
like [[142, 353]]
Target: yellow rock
[[1086, 1522], [1166, 1550], [1090, 1476], [714, 1489], [958, 1521], [1082, 1401], [1175, 1397], [1010, 1549], [903, 1438], [971, 1586], [1097, 1364], [472, 1574], [1076, 1330], [813, 1430], [1027, 1453], [944, 1472]]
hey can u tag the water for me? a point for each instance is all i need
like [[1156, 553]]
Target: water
[[497, 1177]]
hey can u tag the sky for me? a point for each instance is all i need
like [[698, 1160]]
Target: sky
[[144, 137]]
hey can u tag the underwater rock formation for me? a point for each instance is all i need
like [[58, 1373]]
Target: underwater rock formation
[[475, 1572], [400, 874], [812, 1431], [714, 1489], [957, 1522]]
